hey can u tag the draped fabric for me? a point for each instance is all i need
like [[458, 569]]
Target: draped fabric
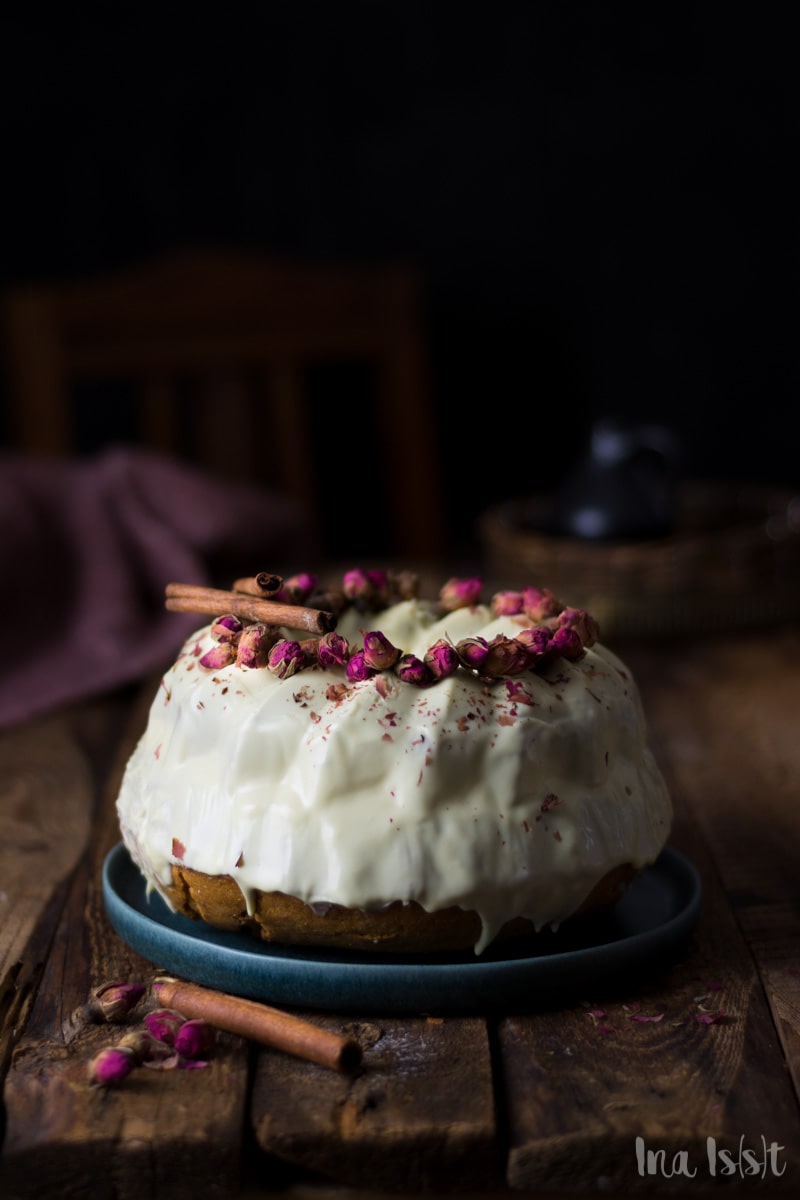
[[86, 549]]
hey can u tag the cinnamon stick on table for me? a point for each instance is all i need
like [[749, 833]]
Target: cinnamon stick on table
[[188, 597], [260, 1023]]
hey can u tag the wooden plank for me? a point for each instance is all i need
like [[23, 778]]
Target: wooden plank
[[46, 799], [583, 1084], [735, 753], [46, 802], [419, 1117], [163, 1133]]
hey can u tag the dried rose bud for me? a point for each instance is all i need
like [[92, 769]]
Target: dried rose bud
[[538, 603], [310, 648], [333, 650], [358, 668], [219, 656], [411, 669], [226, 628], [538, 643], [285, 658], [379, 651], [356, 584], [366, 589], [582, 622], [506, 657], [460, 593], [403, 585], [506, 604], [254, 645], [441, 659], [567, 643], [297, 588], [163, 1025], [113, 1001], [379, 581], [194, 1038], [111, 1065], [472, 652]]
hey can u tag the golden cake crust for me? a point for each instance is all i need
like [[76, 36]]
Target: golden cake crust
[[400, 928]]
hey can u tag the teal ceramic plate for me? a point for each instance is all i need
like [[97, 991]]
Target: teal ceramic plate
[[584, 960]]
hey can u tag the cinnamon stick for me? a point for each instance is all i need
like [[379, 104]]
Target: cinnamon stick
[[263, 585], [188, 597], [260, 1023]]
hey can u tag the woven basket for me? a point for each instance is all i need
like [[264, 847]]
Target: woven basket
[[733, 559]]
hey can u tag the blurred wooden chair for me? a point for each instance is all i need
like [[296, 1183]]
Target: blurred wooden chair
[[218, 347]]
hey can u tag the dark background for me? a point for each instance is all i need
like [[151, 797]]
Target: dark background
[[602, 197]]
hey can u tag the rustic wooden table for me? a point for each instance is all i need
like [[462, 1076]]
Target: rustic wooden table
[[540, 1102]]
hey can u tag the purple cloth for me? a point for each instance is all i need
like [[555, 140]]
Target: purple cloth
[[86, 550]]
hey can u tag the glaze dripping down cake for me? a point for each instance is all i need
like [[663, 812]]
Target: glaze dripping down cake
[[365, 769]]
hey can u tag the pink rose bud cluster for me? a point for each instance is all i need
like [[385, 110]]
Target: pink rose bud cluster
[[530, 650], [245, 645], [556, 632], [254, 645], [167, 1040], [188, 1038], [582, 622]]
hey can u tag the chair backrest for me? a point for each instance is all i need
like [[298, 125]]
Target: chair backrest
[[220, 351]]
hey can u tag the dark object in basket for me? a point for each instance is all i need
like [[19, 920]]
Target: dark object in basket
[[623, 488]]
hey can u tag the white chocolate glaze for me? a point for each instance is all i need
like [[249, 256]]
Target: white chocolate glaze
[[508, 798]]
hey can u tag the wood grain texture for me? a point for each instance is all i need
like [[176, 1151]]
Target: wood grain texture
[[46, 799], [168, 1133], [420, 1116], [734, 751], [47, 794]]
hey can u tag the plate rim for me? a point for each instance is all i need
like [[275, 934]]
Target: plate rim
[[422, 983]]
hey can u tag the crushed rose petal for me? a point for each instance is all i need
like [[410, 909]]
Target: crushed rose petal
[[711, 1018]]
